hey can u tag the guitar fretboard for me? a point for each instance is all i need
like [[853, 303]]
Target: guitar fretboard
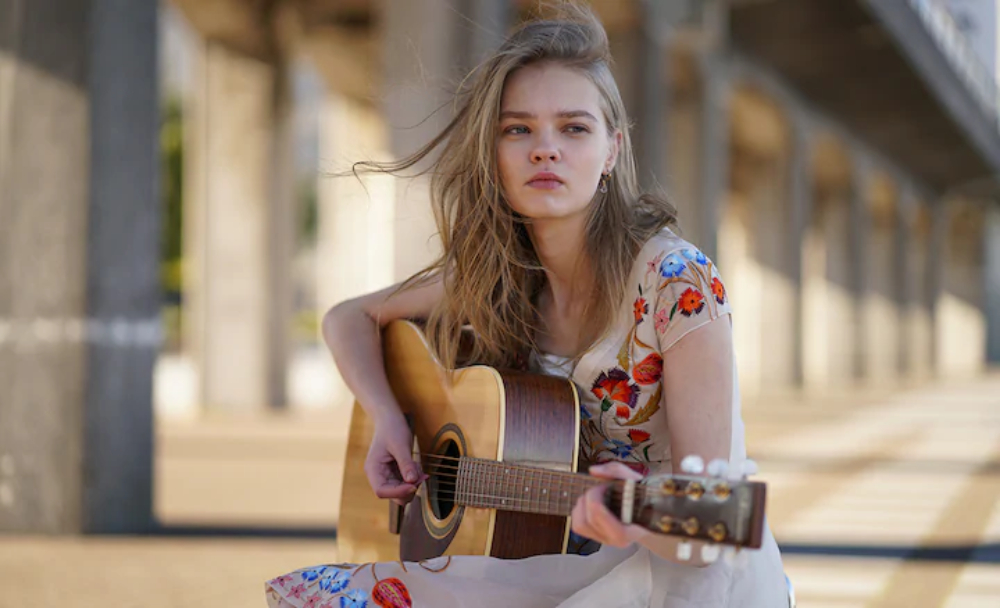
[[498, 485]]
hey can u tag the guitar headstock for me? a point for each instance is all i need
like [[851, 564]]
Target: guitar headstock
[[721, 507]]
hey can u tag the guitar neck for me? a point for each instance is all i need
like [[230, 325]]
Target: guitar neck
[[490, 484]]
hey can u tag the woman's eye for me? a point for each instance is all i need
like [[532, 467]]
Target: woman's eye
[[577, 129], [516, 130]]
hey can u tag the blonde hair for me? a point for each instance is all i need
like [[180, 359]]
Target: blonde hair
[[491, 273]]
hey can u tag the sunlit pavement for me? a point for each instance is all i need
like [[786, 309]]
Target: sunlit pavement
[[878, 499]]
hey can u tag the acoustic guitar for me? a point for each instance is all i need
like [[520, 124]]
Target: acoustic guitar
[[501, 451]]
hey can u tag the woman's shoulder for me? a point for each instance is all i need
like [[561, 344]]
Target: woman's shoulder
[[662, 244]]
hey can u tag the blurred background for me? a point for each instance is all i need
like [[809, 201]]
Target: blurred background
[[172, 430]]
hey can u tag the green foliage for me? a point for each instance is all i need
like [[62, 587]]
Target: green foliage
[[172, 181]]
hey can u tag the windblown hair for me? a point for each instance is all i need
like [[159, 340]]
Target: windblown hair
[[491, 272]]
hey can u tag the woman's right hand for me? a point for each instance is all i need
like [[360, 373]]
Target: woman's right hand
[[391, 470]]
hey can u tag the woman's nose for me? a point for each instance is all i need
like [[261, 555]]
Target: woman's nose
[[544, 150]]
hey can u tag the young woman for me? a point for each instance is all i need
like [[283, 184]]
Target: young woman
[[559, 264]]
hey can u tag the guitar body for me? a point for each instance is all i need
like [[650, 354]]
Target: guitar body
[[476, 412]]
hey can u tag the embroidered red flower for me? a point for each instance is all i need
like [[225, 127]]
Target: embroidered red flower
[[649, 370], [638, 436], [391, 593], [640, 309], [614, 386], [718, 290], [691, 302], [622, 412]]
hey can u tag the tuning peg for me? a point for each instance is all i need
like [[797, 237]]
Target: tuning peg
[[684, 550], [693, 465], [717, 467], [710, 553]]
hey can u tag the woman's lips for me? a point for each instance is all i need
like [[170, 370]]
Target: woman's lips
[[545, 184]]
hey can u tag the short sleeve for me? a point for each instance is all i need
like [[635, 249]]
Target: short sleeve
[[689, 294]]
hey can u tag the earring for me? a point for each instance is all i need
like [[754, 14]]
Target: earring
[[605, 178]]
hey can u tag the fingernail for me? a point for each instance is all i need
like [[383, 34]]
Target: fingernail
[[411, 477]]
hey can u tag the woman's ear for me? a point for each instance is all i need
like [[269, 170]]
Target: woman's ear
[[616, 146]]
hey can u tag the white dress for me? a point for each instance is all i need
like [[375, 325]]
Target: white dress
[[676, 290]]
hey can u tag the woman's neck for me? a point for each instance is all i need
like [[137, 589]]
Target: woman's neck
[[561, 250]]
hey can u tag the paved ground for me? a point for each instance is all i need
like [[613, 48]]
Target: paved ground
[[879, 499]]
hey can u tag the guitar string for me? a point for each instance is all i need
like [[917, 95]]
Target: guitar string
[[575, 484], [453, 461]]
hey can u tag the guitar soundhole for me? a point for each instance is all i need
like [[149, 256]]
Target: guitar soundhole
[[444, 475]]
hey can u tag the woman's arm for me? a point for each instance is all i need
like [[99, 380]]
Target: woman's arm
[[351, 332], [697, 397], [698, 400]]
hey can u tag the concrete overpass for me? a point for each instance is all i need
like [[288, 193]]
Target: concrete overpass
[[822, 151]]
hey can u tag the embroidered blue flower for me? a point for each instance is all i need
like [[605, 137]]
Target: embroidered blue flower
[[337, 582], [672, 266], [618, 448], [695, 255], [584, 412], [313, 574], [355, 598]]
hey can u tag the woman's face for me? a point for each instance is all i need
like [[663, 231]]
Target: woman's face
[[553, 144]]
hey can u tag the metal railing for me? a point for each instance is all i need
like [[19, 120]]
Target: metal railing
[[960, 54]]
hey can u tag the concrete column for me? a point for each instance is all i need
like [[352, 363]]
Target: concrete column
[[714, 148], [239, 230], [800, 192], [961, 320], [991, 281], [918, 314], [860, 232], [882, 305], [652, 96], [486, 28], [426, 54], [937, 251], [714, 151], [79, 250], [905, 241], [355, 244], [682, 170]]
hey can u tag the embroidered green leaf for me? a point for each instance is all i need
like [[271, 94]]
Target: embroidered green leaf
[[605, 404], [673, 311], [646, 412], [645, 453]]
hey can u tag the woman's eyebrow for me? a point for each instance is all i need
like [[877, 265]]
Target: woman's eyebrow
[[562, 114]]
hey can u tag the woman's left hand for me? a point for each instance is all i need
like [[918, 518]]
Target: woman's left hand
[[591, 519]]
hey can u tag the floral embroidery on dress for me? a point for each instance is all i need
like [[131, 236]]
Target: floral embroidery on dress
[[675, 283], [355, 598], [391, 593]]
